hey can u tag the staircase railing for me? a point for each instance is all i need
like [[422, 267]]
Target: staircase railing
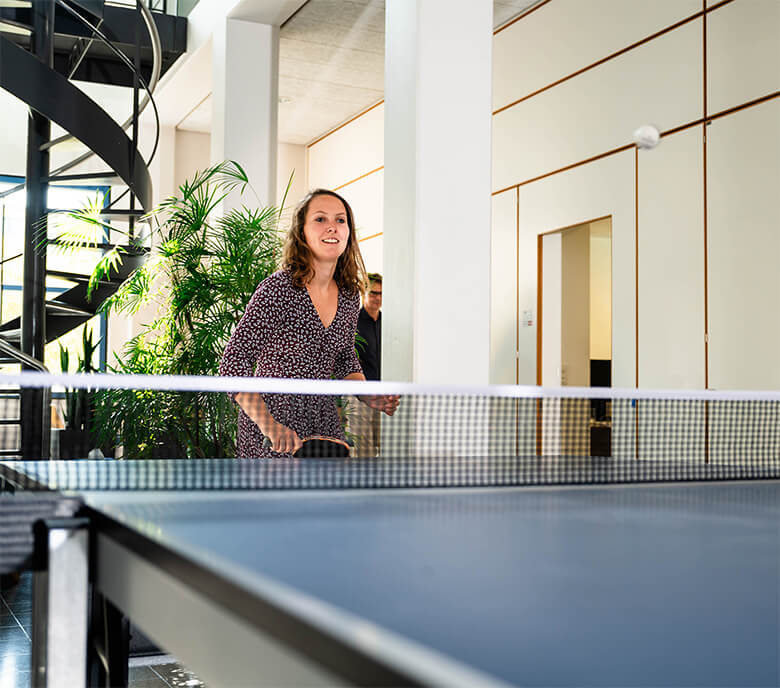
[[12, 352], [148, 98], [52, 96]]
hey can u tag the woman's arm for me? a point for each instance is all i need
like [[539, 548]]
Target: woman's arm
[[387, 403], [240, 358], [250, 336]]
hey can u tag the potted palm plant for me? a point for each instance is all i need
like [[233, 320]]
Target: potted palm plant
[[78, 438], [199, 276]]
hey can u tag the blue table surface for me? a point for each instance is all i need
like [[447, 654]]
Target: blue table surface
[[673, 585]]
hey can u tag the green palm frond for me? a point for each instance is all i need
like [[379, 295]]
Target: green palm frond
[[201, 275], [74, 229], [111, 260], [134, 293], [284, 196]]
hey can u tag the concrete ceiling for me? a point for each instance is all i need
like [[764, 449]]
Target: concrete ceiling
[[331, 65]]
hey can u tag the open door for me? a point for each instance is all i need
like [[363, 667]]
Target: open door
[[575, 337]]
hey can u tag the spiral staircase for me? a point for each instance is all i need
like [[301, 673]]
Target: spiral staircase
[[44, 45]]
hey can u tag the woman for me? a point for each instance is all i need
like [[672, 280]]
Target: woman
[[301, 323]]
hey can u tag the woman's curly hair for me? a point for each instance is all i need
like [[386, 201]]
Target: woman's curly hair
[[350, 272]]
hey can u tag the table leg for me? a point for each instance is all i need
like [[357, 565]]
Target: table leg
[[60, 603]]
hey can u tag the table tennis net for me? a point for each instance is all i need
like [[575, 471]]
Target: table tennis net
[[176, 433]]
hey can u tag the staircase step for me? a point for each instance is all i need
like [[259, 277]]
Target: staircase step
[[97, 178], [110, 214], [55, 308], [77, 277], [12, 335], [137, 250]]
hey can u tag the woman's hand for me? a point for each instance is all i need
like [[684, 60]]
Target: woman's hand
[[283, 439], [387, 403]]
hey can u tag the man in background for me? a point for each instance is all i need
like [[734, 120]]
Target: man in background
[[364, 421], [370, 328]]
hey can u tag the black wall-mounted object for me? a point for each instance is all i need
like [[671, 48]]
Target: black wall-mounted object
[[601, 430], [600, 372]]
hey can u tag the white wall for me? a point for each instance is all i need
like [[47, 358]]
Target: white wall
[[580, 195], [367, 201], [349, 151], [564, 156], [671, 263], [192, 155], [572, 34], [743, 52], [743, 190], [567, 149], [503, 276], [291, 161], [350, 161], [659, 83]]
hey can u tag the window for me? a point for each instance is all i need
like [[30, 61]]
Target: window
[[12, 210]]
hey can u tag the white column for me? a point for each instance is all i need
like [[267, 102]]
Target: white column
[[245, 102], [163, 167], [436, 310]]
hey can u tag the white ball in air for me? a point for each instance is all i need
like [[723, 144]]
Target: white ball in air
[[647, 136]]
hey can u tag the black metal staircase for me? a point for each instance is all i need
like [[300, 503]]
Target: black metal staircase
[[33, 68]]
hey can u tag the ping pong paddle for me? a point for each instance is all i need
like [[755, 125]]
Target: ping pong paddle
[[317, 447]]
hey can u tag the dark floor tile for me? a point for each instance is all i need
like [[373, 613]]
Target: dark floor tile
[[10, 634], [17, 652], [8, 619], [155, 682], [18, 592], [177, 676], [144, 677], [8, 581], [14, 679], [20, 645], [11, 584], [20, 606], [137, 673]]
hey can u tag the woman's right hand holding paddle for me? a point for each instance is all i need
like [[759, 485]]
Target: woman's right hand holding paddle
[[283, 439]]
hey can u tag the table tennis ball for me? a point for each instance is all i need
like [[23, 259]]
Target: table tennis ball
[[647, 136]]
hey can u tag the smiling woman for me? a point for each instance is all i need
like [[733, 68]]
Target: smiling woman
[[301, 323]]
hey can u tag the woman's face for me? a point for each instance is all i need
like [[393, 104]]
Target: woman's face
[[325, 229]]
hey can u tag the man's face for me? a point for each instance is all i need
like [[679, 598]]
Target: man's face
[[374, 297]]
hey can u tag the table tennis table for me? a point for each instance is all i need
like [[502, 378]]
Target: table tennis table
[[662, 584]]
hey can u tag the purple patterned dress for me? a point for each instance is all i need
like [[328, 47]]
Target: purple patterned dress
[[281, 335]]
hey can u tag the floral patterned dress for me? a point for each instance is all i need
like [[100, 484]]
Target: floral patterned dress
[[281, 335]]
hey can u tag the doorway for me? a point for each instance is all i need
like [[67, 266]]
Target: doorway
[[574, 336]]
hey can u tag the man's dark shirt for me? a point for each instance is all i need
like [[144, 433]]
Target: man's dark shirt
[[370, 354]]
